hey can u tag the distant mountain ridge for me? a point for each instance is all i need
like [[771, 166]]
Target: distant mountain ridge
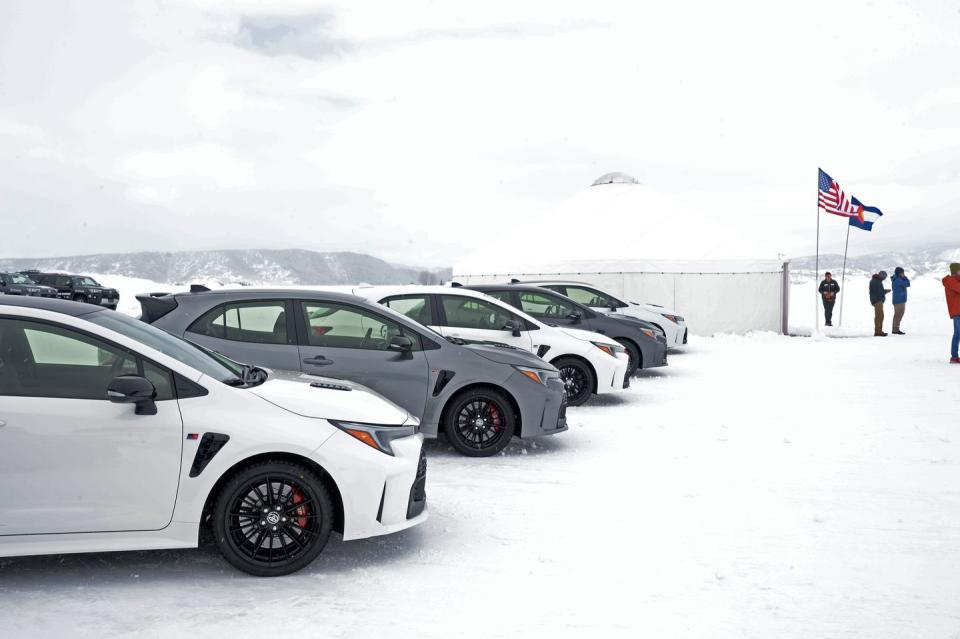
[[244, 266], [919, 262]]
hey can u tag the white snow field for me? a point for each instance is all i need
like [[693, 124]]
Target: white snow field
[[760, 486]]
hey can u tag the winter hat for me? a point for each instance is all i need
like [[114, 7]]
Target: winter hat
[[883, 275], [955, 268], [898, 270]]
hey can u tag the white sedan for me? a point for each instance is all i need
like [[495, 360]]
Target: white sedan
[[115, 435]]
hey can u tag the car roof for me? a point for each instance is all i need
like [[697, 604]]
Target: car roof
[[562, 282], [415, 289], [530, 288], [259, 293], [74, 309]]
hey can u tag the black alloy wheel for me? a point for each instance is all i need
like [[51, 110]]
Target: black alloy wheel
[[480, 423], [636, 359], [273, 518], [578, 380]]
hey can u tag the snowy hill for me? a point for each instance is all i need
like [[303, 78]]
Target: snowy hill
[[926, 261], [284, 266]]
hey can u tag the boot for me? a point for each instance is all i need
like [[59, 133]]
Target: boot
[[955, 360], [898, 332], [880, 334]]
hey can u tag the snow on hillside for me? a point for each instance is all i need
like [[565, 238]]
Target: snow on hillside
[[929, 261], [760, 486]]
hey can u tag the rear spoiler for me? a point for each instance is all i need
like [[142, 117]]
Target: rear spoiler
[[153, 306]]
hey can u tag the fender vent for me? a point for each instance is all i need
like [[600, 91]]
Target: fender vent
[[210, 444], [329, 386], [443, 378], [542, 350]]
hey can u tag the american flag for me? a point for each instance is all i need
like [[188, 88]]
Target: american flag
[[834, 201]]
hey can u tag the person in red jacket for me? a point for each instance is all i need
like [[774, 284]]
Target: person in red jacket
[[951, 286]]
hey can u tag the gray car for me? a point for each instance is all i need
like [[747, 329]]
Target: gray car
[[645, 343], [479, 394]]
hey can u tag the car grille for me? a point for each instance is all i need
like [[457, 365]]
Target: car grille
[[418, 492]]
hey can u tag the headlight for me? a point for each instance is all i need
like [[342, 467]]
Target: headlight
[[610, 349], [676, 319], [648, 333], [538, 375], [375, 435]]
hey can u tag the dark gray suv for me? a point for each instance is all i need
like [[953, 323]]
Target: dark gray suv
[[479, 394], [645, 343]]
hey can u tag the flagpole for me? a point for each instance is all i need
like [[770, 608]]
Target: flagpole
[[816, 301], [843, 276]]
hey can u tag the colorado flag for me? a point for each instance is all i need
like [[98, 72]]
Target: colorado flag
[[870, 215]]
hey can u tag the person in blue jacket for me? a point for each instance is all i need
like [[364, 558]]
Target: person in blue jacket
[[900, 283]]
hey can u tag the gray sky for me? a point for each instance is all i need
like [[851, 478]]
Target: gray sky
[[419, 130]]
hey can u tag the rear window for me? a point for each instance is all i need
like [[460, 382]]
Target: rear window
[[261, 322]]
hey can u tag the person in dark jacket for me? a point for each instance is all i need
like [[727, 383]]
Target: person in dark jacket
[[828, 293], [900, 283], [878, 295]]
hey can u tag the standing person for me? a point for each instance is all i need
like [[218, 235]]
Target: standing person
[[900, 283], [878, 295], [951, 286], [828, 293]]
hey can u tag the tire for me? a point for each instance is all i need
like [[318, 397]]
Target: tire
[[579, 381], [636, 358], [289, 535], [80, 298], [479, 422]]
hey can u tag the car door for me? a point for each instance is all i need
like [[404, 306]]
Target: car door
[[591, 297], [474, 318], [71, 461], [553, 309], [351, 342], [259, 332]]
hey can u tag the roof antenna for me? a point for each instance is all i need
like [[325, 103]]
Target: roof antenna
[[199, 288]]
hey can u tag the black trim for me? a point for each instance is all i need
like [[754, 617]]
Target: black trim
[[210, 445], [542, 350], [185, 389], [418, 492], [443, 378], [383, 495]]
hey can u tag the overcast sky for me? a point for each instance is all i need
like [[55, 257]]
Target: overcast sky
[[421, 130]]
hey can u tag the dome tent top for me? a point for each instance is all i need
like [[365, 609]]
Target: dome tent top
[[615, 178]]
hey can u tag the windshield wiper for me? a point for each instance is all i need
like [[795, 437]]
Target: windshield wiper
[[455, 340]]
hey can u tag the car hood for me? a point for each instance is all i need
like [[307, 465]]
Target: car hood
[[329, 398], [586, 336], [506, 354]]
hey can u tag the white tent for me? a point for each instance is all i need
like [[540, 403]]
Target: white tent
[[633, 241]]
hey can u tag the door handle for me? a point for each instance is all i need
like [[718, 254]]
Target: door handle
[[319, 360]]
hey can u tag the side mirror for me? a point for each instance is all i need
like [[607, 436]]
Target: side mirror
[[613, 305], [575, 317], [133, 389], [513, 326], [400, 343]]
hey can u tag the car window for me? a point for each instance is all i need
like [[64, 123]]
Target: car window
[[17, 278], [255, 322], [503, 296], [63, 281], [590, 297], [416, 307], [85, 281], [470, 312], [545, 306], [339, 326], [43, 360]]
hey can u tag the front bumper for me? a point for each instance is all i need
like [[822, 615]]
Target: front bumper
[[381, 494], [612, 379], [543, 409]]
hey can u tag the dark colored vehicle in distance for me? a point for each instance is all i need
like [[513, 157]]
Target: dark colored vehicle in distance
[[21, 284], [479, 395], [79, 288], [645, 343]]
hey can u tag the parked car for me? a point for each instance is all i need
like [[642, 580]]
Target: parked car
[[79, 288], [645, 344], [588, 362], [479, 395], [20, 284], [116, 435], [672, 324]]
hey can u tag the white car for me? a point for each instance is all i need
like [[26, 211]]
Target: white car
[[588, 362], [115, 435], [673, 326]]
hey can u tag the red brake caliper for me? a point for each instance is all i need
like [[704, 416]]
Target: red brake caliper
[[494, 417], [302, 511]]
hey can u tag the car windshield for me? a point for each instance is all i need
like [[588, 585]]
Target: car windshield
[[219, 368], [20, 278], [85, 281]]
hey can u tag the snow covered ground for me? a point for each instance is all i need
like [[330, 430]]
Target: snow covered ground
[[760, 486]]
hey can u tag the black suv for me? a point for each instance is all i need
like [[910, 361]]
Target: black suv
[[20, 284], [80, 288]]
